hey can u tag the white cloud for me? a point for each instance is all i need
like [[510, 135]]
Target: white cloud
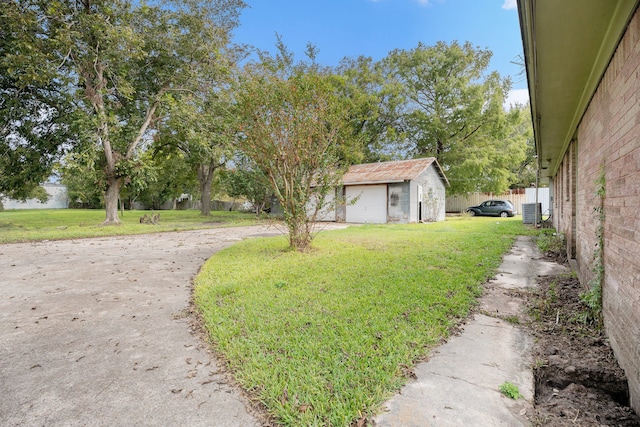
[[510, 5], [516, 97]]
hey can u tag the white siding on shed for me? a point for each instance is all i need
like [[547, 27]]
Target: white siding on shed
[[371, 206], [328, 211], [430, 186]]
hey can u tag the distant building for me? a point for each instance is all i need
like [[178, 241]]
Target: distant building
[[58, 199]]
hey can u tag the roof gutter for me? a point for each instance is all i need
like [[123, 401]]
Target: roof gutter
[[386, 181], [528, 33], [623, 12]]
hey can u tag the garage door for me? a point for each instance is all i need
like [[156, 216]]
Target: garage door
[[371, 206]]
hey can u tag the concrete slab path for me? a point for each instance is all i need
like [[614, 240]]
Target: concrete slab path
[[97, 332], [459, 385]]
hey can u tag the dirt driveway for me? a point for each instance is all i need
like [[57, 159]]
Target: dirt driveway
[[97, 332]]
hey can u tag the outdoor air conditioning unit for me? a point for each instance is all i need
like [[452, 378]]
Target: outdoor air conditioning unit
[[529, 213]]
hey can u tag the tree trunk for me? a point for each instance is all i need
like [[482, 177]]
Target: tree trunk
[[259, 207], [300, 233], [205, 200], [205, 178], [111, 197]]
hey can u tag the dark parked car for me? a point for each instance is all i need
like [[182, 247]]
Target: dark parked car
[[502, 208]]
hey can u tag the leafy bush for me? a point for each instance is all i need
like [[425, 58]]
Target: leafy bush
[[552, 244]]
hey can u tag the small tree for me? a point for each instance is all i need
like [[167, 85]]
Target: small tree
[[295, 127], [173, 177], [249, 182]]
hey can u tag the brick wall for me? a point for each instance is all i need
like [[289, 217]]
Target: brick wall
[[609, 137], [564, 201]]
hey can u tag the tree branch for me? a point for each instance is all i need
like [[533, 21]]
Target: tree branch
[[143, 128]]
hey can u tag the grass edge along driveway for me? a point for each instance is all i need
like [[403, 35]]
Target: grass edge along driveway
[[324, 338], [32, 225]]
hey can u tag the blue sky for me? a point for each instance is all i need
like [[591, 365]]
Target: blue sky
[[351, 28]]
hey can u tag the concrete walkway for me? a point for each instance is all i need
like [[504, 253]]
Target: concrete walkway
[[97, 332], [459, 384]]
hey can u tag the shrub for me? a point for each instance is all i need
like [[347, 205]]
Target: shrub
[[510, 390], [552, 244]]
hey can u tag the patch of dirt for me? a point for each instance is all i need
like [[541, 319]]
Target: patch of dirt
[[578, 380]]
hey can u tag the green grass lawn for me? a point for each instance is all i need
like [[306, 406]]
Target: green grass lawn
[[324, 338], [51, 224]]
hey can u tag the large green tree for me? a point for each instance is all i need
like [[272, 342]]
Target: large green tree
[[129, 60], [377, 103], [37, 121], [295, 129], [522, 128], [454, 112], [203, 129]]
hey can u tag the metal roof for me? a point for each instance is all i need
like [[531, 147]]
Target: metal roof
[[389, 172], [567, 46]]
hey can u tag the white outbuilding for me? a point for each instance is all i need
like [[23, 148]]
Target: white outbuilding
[[390, 192]]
